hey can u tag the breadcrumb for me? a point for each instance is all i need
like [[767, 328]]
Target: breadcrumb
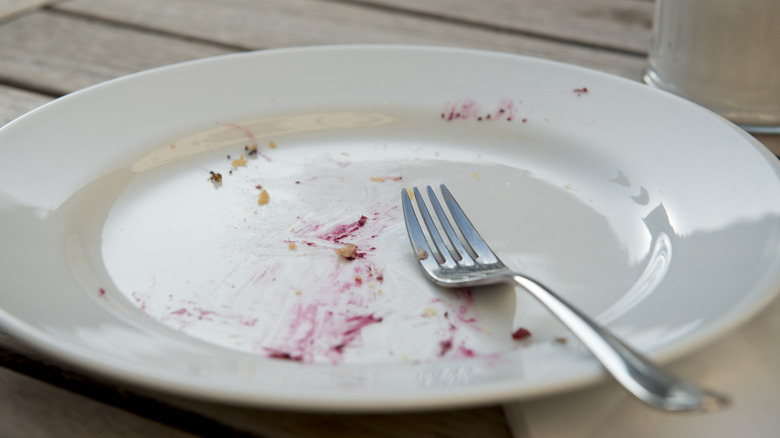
[[263, 198], [240, 161], [347, 251]]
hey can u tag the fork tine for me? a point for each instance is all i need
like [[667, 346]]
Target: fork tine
[[420, 244], [475, 241], [465, 257], [443, 251]]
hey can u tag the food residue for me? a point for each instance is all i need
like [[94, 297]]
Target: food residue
[[251, 150], [292, 245], [240, 161], [348, 251], [271, 144], [520, 334], [263, 197], [581, 91], [421, 254], [215, 177]]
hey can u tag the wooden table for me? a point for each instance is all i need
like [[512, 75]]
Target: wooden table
[[51, 48]]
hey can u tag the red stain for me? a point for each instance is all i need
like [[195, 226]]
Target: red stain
[[521, 333], [581, 91], [445, 346], [466, 351]]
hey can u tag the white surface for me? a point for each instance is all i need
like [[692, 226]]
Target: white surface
[[654, 215]]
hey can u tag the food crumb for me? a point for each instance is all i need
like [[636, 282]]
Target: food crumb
[[263, 198], [379, 292], [377, 179], [215, 177], [485, 330], [521, 333], [297, 292], [251, 150], [272, 144], [474, 175], [240, 161], [429, 311], [561, 340], [421, 254], [347, 251], [410, 193], [292, 245]]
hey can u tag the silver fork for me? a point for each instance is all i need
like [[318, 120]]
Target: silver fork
[[456, 267]]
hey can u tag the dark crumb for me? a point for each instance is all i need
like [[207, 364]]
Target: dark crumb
[[479, 119], [251, 150], [509, 119], [520, 334], [581, 91], [230, 172], [445, 347], [525, 120], [259, 187], [228, 157], [274, 354], [488, 117], [442, 115], [215, 177], [446, 314], [501, 110], [297, 182]]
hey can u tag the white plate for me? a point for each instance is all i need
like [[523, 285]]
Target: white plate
[[121, 257]]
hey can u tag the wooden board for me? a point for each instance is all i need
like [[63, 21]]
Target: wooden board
[[623, 25], [287, 23], [55, 54]]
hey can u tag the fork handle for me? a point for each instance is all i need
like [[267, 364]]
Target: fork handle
[[633, 371]]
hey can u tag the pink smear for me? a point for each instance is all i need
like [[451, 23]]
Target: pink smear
[[249, 135], [465, 109], [101, 292], [446, 346], [339, 232], [581, 91]]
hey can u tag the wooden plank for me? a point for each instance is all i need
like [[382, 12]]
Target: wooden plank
[[58, 54], [13, 8], [617, 24], [15, 102], [215, 419], [772, 142], [26, 402], [285, 23]]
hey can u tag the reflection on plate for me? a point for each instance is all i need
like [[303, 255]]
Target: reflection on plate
[[231, 231]]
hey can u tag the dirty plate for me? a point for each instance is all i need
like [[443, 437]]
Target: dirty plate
[[230, 228]]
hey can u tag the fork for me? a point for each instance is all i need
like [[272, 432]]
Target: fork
[[471, 262]]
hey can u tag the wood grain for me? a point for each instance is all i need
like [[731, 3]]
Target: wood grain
[[57, 54], [13, 8], [30, 409], [213, 419], [14, 102], [286, 23], [623, 25]]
